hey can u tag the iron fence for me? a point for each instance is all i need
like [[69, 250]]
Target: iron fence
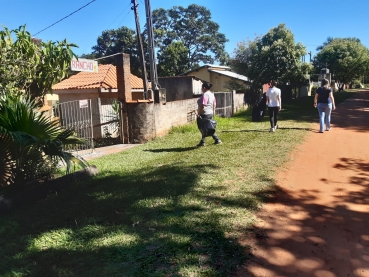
[[96, 121]]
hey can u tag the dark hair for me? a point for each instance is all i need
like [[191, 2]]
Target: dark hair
[[273, 83], [207, 85], [325, 82]]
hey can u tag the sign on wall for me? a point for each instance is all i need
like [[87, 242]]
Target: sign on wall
[[83, 104], [84, 65]]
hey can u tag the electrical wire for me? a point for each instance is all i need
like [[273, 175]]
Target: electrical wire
[[64, 17]]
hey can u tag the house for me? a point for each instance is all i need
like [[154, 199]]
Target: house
[[92, 85], [217, 75]]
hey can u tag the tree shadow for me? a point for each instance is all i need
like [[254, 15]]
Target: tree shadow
[[323, 240], [147, 206]]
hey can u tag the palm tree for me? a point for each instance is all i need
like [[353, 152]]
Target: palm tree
[[31, 145]]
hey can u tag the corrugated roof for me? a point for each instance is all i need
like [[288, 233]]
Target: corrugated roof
[[206, 66], [230, 74], [105, 78]]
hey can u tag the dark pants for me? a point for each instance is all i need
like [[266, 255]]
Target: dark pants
[[215, 137], [273, 116]]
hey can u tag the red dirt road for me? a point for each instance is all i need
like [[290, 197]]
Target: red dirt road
[[318, 223]]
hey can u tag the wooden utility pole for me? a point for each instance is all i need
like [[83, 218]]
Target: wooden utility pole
[[140, 47]]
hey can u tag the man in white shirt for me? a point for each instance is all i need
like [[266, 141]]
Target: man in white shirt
[[274, 102]]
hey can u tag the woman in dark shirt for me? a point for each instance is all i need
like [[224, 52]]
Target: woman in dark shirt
[[321, 102]]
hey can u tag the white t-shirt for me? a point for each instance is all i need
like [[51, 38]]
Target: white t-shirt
[[273, 94]]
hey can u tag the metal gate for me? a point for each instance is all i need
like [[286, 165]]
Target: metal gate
[[224, 106], [96, 121]]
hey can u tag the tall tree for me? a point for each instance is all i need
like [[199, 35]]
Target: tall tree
[[193, 27], [121, 40], [274, 56], [346, 58], [173, 60]]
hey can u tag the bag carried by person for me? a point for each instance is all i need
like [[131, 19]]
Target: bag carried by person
[[206, 126]]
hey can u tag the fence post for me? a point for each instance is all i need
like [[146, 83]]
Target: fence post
[[92, 125]]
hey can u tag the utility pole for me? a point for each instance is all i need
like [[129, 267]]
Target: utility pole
[[310, 55], [150, 32], [140, 47]]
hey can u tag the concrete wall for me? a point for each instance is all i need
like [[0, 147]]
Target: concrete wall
[[177, 88], [148, 120], [238, 101]]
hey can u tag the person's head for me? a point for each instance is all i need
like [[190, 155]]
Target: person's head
[[273, 83], [325, 83], [206, 86]]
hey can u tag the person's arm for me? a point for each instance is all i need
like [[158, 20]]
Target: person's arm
[[332, 99], [214, 106], [280, 102], [316, 99], [267, 100]]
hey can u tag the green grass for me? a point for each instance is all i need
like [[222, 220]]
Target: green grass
[[165, 208]]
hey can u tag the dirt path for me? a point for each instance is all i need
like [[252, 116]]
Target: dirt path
[[318, 224]]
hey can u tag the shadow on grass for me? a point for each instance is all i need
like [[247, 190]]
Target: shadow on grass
[[175, 149], [143, 223]]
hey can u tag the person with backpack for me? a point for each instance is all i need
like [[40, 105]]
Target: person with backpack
[[205, 112], [324, 101]]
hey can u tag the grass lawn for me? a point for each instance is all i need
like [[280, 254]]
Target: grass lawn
[[165, 208]]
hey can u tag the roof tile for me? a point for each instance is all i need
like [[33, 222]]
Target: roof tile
[[105, 78]]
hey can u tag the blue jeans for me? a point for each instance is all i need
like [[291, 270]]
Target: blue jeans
[[324, 110]]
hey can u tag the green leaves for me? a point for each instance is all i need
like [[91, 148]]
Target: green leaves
[[30, 64], [193, 28], [347, 58], [275, 56], [31, 144]]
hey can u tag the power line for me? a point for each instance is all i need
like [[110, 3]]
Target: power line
[[64, 17]]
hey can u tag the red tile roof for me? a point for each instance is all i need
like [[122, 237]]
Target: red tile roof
[[105, 78]]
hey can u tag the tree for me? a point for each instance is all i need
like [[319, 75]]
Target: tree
[[173, 60], [274, 56], [31, 145], [346, 58], [30, 65], [193, 27], [121, 40]]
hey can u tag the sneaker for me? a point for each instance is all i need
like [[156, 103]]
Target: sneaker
[[271, 130], [218, 142], [328, 129], [276, 127], [200, 144]]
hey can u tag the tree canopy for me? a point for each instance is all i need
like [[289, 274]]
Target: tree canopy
[[30, 65], [274, 56], [121, 40], [346, 58], [194, 29]]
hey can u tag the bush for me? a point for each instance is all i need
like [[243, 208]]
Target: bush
[[313, 90]]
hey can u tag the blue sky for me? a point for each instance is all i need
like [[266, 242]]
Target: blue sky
[[311, 21]]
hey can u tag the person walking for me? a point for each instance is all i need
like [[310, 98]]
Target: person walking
[[324, 101], [206, 109], [274, 102]]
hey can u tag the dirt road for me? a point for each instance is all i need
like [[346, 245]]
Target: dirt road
[[318, 223]]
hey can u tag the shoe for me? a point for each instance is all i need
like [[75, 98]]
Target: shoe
[[200, 144], [218, 142], [271, 130], [328, 129], [276, 127]]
